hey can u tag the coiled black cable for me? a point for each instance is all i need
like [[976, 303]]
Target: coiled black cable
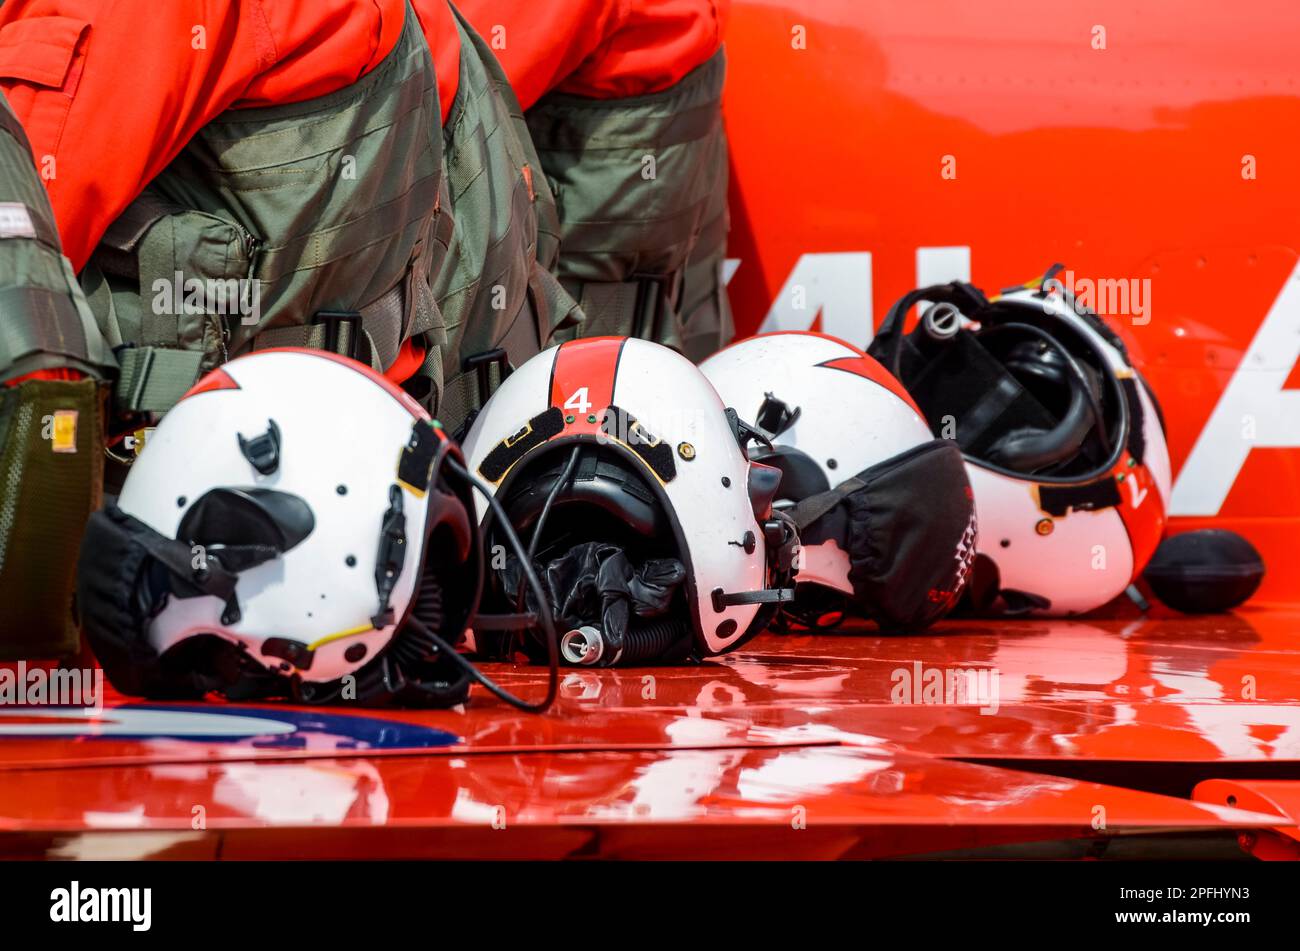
[[560, 481], [543, 611]]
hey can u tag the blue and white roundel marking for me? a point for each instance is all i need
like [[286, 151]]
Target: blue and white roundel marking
[[284, 729]]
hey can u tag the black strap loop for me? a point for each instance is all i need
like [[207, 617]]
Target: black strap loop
[[722, 599]]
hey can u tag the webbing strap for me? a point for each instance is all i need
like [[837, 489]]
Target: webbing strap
[[609, 309], [136, 219], [645, 307], [460, 396], [156, 254], [153, 379], [815, 506], [39, 320], [313, 336], [384, 319], [381, 325], [10, 124], [42, 228]]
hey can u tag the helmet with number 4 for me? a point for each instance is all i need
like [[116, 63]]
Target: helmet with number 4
[[626, 476], [296, 526], [1062, 437], [883, 508]]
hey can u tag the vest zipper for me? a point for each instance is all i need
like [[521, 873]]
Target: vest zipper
[[252, 248]]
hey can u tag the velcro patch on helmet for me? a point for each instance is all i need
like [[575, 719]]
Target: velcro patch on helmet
[[510, 450], [415, 465], [1056, 500], [655, 452]]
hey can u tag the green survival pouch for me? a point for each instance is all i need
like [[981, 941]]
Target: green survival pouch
[[641, 186]]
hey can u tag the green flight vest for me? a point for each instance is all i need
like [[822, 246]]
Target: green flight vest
[[706, 323], [345, 223], [310, 224], [496, 290], [44, 321], [641, 187]]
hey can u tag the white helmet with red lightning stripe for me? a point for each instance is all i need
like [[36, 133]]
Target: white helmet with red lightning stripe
[[883, 508], [296, 526]]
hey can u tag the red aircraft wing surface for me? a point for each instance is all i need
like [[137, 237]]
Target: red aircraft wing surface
[[1152, 149], [876, 146]]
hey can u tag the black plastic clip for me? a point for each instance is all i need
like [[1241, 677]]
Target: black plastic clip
[[481, 364], [745, 433], [333, 321], [392, 553], [775, 416], [262, 452]]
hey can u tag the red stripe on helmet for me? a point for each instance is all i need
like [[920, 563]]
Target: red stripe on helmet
[[1141, 509], [216, 380], [855, 361], [870, 369], [582, 381]]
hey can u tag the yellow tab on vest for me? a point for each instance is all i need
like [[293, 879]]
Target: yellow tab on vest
[[63, 435]]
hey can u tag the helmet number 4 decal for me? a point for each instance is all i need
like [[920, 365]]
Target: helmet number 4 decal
[[578, 401]]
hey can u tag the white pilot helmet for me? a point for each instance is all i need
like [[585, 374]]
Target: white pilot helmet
[[1063, 439], [621, 468], [295, 526], [883, 508]]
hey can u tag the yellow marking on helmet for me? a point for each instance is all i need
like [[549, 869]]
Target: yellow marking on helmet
[[329, 638]]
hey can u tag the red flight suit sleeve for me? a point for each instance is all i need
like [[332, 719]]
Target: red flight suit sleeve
[[540, 42], [603, 49], [654, 47], [109, 91]]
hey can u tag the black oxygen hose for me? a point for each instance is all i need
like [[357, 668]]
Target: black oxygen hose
[[561, 480], [544, 612], [652, 640]]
